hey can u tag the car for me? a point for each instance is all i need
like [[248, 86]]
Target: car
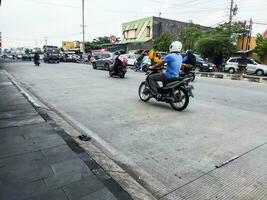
[[19, 56], [253, 66], [131, 58], [103, 60], [202, 65], [26, 57]]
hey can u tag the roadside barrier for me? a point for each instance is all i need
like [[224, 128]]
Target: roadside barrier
[[243, 77]]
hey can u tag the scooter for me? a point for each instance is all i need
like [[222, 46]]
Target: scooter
[[174, 91], [121, 71]]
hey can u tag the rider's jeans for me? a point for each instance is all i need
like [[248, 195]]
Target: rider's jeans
[[153, 82]]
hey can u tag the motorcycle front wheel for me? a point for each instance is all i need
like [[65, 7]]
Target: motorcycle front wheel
[[181, 99], [143, 92]]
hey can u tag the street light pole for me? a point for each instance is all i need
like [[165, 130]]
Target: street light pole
[[83, 44]]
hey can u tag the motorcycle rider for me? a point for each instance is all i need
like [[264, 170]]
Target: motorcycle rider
[[174, 63], [36, 58]]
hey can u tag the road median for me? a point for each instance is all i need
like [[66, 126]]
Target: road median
[[243, 77]]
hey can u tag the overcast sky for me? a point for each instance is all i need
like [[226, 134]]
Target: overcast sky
[[28, 22]]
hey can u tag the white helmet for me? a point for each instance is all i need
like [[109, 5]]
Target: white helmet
[[176, 47]]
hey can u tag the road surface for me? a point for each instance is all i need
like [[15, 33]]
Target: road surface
[[173, 154]]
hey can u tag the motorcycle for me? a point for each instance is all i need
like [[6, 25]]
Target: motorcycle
[[121, 71], [37, 63], [175, 91], [137, 66], [188, 74]]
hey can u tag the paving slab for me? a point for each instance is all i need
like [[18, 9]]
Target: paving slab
[[57, 194], [83, 187], [38, 160]]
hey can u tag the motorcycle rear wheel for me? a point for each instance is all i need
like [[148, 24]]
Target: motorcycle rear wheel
[[142, 96], [182, 99]]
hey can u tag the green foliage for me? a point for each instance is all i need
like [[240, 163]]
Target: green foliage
[[216, 44], [261, 47], [27, 51], [221, 40], [163, 42], [96, 43], [190, 35]]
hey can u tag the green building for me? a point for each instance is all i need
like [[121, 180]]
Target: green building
[[139, 34]]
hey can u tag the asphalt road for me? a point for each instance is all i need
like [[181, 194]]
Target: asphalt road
[[173, 154]]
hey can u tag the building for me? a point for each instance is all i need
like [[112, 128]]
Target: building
[[139, 34], [71, 45], [247, 45]]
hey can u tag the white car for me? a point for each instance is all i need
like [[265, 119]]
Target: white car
[[131, 59], [253, 66]]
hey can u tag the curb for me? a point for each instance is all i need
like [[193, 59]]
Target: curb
[[244, 77]]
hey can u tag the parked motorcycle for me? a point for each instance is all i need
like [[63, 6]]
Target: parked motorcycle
[[174, 91]]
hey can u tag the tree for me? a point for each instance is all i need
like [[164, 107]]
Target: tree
[[261, 47], [163, 42], [216, 45], [221, 40], [96, 43], [190, 35]]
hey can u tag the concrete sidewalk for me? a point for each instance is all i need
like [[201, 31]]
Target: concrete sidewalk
[[40, 161]]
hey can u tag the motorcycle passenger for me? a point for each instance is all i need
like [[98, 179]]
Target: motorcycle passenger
[[174, 63], [189, 61], [145, 61], [120, 61]]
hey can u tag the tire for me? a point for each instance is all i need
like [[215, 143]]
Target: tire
[[182, 94], [94, 66], [231, 70], [259, 72], [106, 66], [144, 98], [122, 75]]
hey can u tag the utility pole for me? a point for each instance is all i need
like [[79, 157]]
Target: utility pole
[[83, 44], [243, 35], [233, 11], [45, 39], [249, 34]]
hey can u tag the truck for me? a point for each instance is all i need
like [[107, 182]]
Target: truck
[[51, 54]]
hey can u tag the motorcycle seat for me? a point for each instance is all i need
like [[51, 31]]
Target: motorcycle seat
[[170, 80]]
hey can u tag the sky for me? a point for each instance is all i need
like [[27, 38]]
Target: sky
[[28, 22]]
